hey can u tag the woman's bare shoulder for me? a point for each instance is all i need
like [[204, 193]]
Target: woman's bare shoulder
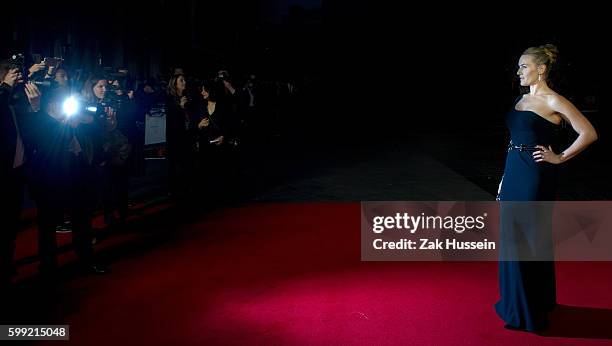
[[556, 99]]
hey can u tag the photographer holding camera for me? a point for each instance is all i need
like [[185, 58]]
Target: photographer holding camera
[[19, 104], [42, 73], [63, 175], [11, 161], [230, 94], [115, 164]]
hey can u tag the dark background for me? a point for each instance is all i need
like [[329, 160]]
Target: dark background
[[368, 72], [417, 65]]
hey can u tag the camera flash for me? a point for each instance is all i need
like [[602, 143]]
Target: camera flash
[[70, 106]]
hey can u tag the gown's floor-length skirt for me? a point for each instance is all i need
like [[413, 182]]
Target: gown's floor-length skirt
[[526, 266]]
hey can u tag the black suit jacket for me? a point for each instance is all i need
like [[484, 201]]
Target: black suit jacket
[[8, 131]]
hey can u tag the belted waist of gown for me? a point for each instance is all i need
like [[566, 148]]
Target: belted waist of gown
[[522, 147]]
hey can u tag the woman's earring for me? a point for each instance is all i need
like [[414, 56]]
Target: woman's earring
[[539, 78]]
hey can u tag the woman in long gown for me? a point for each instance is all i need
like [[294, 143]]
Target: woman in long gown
[[527, 282]]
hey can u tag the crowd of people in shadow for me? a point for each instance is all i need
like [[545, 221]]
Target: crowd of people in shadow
[[72, 142]]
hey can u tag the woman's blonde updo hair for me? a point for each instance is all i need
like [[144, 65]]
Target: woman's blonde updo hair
[[544, 55]]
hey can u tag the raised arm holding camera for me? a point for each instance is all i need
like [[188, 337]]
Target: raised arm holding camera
[[11, 170], [63, 178], [20, 103]]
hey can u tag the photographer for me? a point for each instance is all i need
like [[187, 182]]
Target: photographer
[[61, 78], [62, 179], [44, 73], [252, 125], [230, 95], [233, 100], [12, 159], [20, 102], [112, 163]]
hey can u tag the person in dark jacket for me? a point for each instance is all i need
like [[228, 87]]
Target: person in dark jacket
[[62, 178], [12, 160], [217, 131], [181, 134]]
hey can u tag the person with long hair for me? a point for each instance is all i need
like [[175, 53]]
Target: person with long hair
[[114, 149], [180, 135]]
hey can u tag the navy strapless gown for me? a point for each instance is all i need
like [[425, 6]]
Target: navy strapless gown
[[527, 284]]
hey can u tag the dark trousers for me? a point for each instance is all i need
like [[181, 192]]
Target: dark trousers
[[9, 214], [74, 197]]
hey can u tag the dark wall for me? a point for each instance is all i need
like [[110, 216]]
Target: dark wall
[[365, 68], [454, 68]]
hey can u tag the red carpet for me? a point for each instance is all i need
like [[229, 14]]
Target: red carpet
[[26, 248], [291, 274]]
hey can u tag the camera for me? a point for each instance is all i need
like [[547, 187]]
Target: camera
[[111, 99], [47, 84], [72, 106], [52, 62], [96, 110], [121, 79], [18, 61], [42, 82], [222, 76]]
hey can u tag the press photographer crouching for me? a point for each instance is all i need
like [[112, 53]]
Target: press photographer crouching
[[66, 137]]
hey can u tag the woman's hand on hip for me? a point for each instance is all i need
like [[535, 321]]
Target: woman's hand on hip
[[546, 155]]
